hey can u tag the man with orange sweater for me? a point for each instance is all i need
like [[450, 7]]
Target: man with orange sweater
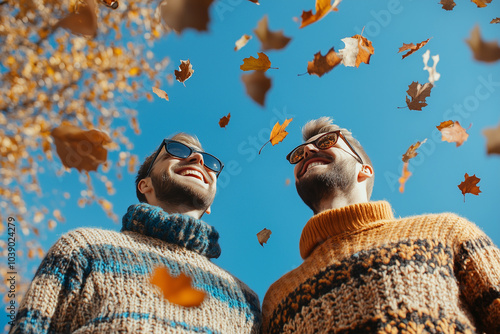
[[365, 271]]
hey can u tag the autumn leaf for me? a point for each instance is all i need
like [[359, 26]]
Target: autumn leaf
[[270, 40], [287, 182], [483, 51], [405, 175], [177, 290], [323, 64], [278, 133], [224, 120], [161, 93], [492, 140], [448, 4], [242, 42], [412, 48], [495, 20], [178, 15], [185, 71], [113, 4], [469, 185], [80, 149], [358, 49], [81, 22], [323, 7], [263, 236], [257, 85], [433, 74], [260, 64], [410, 153], [418, 94], [481, 3], [452, 132]]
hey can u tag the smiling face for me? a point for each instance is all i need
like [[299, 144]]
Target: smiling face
[[325, 173]]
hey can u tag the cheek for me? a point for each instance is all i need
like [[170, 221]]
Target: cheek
[[296, 170]]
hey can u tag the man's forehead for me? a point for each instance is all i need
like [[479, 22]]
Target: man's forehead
[[313, 138]]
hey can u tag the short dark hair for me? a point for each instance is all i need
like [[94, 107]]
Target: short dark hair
[[182, 137], [325, 124]]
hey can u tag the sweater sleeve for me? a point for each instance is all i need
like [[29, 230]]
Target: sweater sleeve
[[477, 268], [48, 305]]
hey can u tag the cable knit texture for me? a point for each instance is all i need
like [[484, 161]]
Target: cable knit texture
[[97, 281], [366, 272]]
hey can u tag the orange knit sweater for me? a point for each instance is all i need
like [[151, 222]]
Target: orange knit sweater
[[367, 272]]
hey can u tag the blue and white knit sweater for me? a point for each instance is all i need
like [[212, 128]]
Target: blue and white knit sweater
[[97, 281]]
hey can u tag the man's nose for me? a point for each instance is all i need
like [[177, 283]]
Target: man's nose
[[309, 149], [196, 157]]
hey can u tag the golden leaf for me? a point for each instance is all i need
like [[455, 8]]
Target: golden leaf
[[177, 290]]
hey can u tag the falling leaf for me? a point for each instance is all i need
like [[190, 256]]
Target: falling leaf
[[242, 42], [418, 94], [481, 3], [358, 49], [260, 64], [412, 47], [492, 140], [177, 290], [51, 224], [80, 149], [81, 22], [433, 74], [496, 20], [255, 2], [185, 71], [411, 152], [161, 93], [323, 7], [470, 185], [483, 51], [448, 4], [287, 182], [405, 175], [224, 121], [452, 132], [323, 64], [257, 85], [113, 4], [178, 15], [278, 133], [270, 40], [263, 236]]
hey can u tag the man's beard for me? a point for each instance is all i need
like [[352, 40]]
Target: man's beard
[[169, 191], [336, 181]]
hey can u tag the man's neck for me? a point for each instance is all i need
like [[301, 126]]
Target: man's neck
[[337, 201], [182, 209]]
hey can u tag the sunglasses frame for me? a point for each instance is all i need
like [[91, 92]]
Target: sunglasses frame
[[166, 141], [339, 134]]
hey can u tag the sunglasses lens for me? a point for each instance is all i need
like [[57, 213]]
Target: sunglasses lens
[[211, 162], [297, 155], [327, 141], [178, 150]]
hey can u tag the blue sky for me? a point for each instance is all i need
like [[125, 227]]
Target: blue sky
[[252, 193]]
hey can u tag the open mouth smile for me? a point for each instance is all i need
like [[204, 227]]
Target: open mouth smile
[[190, 172]]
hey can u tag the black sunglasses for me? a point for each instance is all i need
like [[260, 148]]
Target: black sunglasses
[[322, 142], [180, 150]]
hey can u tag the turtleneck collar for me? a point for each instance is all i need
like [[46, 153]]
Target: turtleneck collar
[[333, 222], [182, 230]]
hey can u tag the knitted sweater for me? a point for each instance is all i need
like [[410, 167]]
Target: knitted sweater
[[97, 281], [367, 272]]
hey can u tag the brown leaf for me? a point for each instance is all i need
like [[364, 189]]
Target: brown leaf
[[224, 120], [81, 22], [242, 42], [80, 149], [323, 7], [412, 47], [323, 64], [113, 4], [481, 3], [178, 15], [405, 175], [185, 71], [260, 64], [177, 290], [470, 185], [287, 182], [263, 236], [418, 94], [492, 140], [496, 20], [270, 40], [452, 132], [411, 152], [257, 85], [448, 4], [358, 49], [483, 51], [278, 133], [161, 93]]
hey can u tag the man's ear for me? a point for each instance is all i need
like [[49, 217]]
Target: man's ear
[[208, 210], [145, 186], [366, 172]]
